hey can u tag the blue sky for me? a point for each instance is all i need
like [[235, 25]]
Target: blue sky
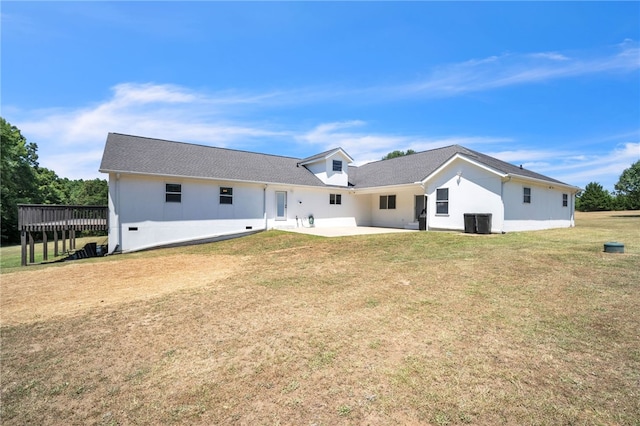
[[552, 86]]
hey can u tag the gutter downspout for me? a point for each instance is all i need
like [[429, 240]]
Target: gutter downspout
[[573, 209], [502, 201], [116, 208], [264, 205]]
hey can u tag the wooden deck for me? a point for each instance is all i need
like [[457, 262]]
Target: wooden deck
[[61, 221]]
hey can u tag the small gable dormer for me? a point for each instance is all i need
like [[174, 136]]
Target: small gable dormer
[[331, 167]]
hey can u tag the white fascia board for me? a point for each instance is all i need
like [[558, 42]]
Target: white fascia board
[[468, 160], [158, 175], [329, 154], [543, 182]]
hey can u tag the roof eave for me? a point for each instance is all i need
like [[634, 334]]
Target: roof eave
[[315, 159], [219, 179], [467, 159], [384, 188], [550, 183]]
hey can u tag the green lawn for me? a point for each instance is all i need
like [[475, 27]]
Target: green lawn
[[10, 257]]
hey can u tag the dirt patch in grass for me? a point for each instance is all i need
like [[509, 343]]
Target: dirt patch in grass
[[77, 287]]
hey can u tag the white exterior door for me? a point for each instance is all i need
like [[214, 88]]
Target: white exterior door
[[281, 205]]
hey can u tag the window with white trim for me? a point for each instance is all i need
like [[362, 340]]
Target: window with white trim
[[526, 195], [565, 200], [337, 165], [387, 202], [226, 195], [173, 193], [335, 198], [442, 201]]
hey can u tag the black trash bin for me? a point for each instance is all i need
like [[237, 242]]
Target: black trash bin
[[469, 223], [422, 220], [483, 223]]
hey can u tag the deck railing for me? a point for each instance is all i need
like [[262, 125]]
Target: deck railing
[[46, 217], [58, 219]]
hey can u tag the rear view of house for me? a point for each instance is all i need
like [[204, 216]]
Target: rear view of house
[[163, 192]]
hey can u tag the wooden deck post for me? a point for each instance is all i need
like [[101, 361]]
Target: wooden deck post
[[32, 255], [34, 218], [45, 246], [23, 247]]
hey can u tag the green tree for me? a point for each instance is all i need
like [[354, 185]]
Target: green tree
[[51, 189], [23, 181], [594, 198], [397, 153], [628, 187], [93, 192], [18, 184]]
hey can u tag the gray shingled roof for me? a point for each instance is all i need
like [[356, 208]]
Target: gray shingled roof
[[134, 154], [416, 167]]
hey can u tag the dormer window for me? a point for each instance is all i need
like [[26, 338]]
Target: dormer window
[[331, 167]]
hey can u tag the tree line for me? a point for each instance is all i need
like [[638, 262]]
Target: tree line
[[625, 197], [24, 181]]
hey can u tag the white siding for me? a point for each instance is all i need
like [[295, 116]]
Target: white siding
[[402, 215], [471, 190], [323, 169], [144, 219], [544, 212], [304, 202]]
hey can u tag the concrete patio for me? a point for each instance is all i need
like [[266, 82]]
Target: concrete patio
[[347, 231]]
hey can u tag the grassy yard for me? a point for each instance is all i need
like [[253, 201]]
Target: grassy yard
[[279, 328], [10, 257]]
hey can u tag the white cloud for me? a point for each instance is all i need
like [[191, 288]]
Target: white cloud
[[526, 156], [137, 94], [553, 56], [70, 141], [515, 69], [574, 167], [74, 165], [163, 111]]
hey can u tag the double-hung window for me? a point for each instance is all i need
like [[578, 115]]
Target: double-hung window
[[173, 193], [335, 198], [226, 195], [337, 165], [526, 195], [442, 201], [565, 200], [387, 202]]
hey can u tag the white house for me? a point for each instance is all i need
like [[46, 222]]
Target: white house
[[163, 192]]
